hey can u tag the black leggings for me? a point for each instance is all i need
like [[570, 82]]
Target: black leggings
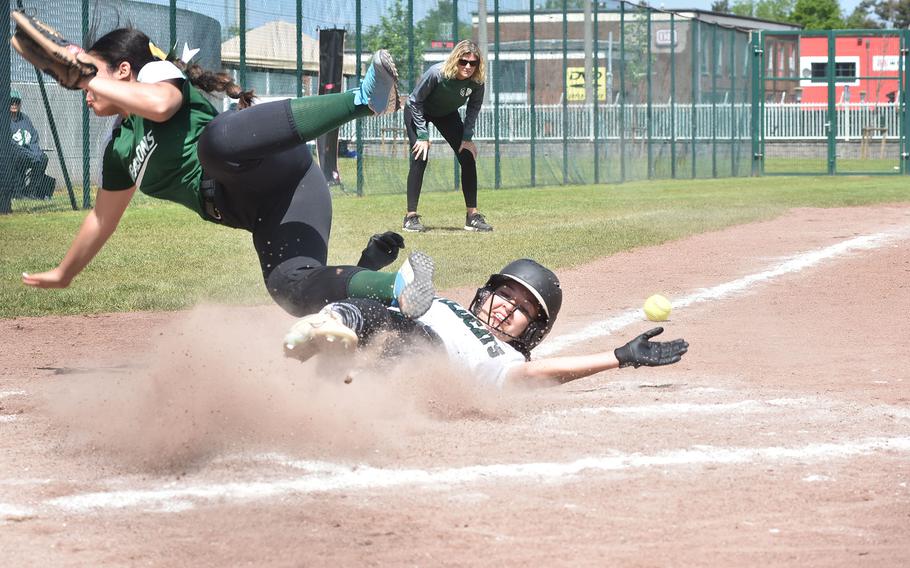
[[452, 129], [371, 320], [266, 184]]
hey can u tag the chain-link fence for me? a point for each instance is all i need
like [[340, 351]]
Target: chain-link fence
[[576, 92]]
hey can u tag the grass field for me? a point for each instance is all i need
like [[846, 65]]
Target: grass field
[[164, 258]]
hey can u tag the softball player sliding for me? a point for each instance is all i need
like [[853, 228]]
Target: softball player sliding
[[248, 169], [440, 92], [492, 339]]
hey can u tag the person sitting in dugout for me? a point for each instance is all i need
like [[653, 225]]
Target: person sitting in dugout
[[492, 339]]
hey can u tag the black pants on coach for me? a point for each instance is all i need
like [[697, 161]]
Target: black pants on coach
[[452, 129], [266, 184]]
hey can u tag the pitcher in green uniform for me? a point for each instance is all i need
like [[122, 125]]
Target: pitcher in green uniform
[[440, 92], [249, 169]]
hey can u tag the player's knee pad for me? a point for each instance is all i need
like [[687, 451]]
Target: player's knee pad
[[292, 286]]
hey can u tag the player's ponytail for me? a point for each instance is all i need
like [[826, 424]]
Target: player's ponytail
[[222, 82]]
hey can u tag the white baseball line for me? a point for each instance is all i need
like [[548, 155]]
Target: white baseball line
[[7, 394], [323, 477], [795, 264]]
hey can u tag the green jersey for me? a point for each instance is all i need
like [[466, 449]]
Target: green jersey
[[435, 96], [159, 158]]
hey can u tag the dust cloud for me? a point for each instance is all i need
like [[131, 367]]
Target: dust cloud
[[216, 381]]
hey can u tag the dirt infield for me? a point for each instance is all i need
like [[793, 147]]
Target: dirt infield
[[783, 437]]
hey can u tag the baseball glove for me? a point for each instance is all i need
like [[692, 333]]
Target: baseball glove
[[44, 47], [641, 351]]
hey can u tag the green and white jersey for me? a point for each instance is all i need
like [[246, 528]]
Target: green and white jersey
[[469, 343], [159, 158], [436, 96]]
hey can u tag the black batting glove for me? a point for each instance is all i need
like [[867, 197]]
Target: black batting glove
[[640, 351], [381, 251]]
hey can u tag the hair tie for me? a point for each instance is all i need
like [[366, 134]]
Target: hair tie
[[157, 52]]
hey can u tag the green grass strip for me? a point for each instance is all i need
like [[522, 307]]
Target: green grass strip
[[164, 258]]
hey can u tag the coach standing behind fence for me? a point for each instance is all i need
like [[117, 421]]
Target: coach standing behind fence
[[436, 98]]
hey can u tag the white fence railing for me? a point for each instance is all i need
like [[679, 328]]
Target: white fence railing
[[701, 122]]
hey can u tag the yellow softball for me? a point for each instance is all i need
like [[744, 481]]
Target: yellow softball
[[657, 308]]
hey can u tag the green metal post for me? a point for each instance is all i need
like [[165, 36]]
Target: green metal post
[[172, 12], [650, 108], [456, 173], [622, 91], [7, 181], [714, 62], [565, 93], [903, 67], [532, 86], [242, 30], [596, 90], [497, 181], [757, 44], [358, 126], [86, 132], [732, 102], [59, 148], [411, 75], [455, 21], [696, 52], [299, 29], [832, 105], [672, 95]]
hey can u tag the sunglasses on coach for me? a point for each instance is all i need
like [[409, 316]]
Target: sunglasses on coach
[[467, 62]]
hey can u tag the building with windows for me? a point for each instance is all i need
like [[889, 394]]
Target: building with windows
[[271, 60], [865, 69], [699, 61]]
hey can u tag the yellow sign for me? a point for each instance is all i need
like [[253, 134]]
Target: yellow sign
[[575, 84]]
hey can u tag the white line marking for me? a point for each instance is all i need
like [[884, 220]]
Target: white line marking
[[795, 264], [325, 477], [13, 511], [6, 394], [8, 418], [749, 406]]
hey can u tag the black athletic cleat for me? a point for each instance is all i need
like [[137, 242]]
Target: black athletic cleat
[[476, 222]]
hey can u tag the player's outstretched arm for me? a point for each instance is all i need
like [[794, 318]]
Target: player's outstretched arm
[[97, 227], [155, 101], [640, 351]]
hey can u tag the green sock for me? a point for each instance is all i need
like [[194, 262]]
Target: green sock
[[314, 116], [372, 285]]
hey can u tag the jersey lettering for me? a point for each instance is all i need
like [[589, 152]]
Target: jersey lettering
[[476, 328], [144, 150]]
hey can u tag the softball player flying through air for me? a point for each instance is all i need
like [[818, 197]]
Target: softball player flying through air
[[248, 169], [492, 339]]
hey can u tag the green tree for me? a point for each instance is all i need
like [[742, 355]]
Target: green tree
[[817, 14], [572, 4], [893, 13], [437, 25], [721, 6], [774, 10], [392, 33], [861, 17]]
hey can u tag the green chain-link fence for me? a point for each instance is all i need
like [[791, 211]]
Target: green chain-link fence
[[577, 92]]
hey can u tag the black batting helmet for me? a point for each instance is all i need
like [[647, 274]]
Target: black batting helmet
[[542, 283]]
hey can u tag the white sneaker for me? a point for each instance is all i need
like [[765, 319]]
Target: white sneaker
[[414, 289], [321, 332], [379, 87]]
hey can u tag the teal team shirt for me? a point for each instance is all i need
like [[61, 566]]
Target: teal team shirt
[[159, 158], [435, 96]]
